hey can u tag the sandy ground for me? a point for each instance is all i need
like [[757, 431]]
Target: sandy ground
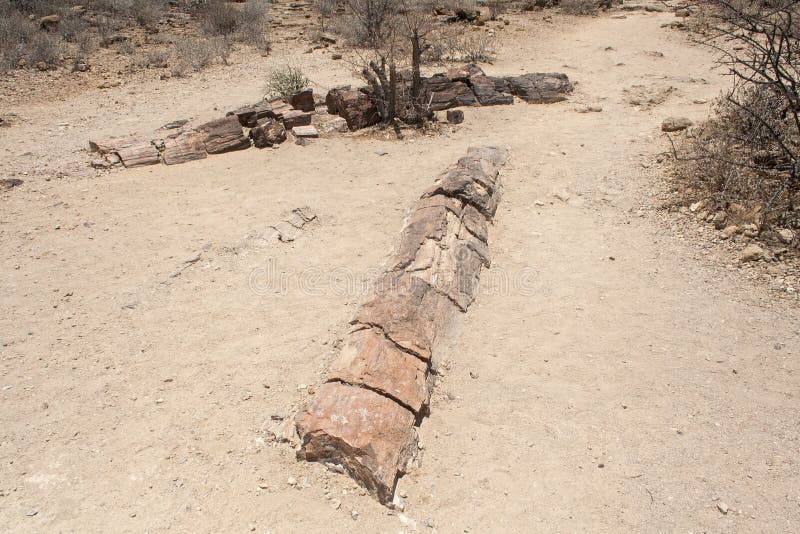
[[611, 376]]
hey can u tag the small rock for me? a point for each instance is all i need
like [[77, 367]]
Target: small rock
[[100, 164], [7, 184], [675, 124], [719, 220], [730, 231], [338, 124], [336, 57], [786, 235], [305, 131], [455, 116], [752, 253], [291, 481], [354, 515], [722, 507]]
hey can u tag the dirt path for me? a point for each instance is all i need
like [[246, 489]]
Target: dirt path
[[608, 378]]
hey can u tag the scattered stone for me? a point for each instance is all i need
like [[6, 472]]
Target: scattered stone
[[100, 163], [6, 184], [109, 84], [589, 109], [455, 116], [336, 56], [675, 124], [752, 252], [291, 481], [305, 131], [730, 231], [722, 507], [719, 220], [337, 125]]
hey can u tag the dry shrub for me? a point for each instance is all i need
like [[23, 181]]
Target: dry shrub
[[147, 13], [734, 158], [253, 28], [474, 47], [219, 17], [747, 157], [248, 23], [21, 39], [193, 54], [579, 7]]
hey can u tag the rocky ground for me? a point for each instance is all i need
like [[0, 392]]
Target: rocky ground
[[621, 368]]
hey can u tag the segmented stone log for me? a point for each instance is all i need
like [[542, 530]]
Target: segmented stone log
[[364, 417], [184, 147], [139, 154], [223, 135]]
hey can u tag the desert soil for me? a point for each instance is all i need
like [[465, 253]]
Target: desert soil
[[613, 374]]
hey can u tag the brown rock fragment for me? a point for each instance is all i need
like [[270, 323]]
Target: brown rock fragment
[[296, 117], [354, 106], [267, 133], [303, 100], [371, 436]]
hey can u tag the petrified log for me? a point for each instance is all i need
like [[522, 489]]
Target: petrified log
[[223, 135], [139, 154], [489, 91], [184, 147], [370, 435], [444, 93], [368, 358], [540, 88], [378, 389]]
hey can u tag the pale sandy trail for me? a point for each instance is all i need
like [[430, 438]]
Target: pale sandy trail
[[156, 397]]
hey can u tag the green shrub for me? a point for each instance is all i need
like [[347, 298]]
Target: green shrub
[[286, 80]]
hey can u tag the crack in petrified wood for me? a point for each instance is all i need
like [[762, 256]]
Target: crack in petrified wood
[[365, 416]]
